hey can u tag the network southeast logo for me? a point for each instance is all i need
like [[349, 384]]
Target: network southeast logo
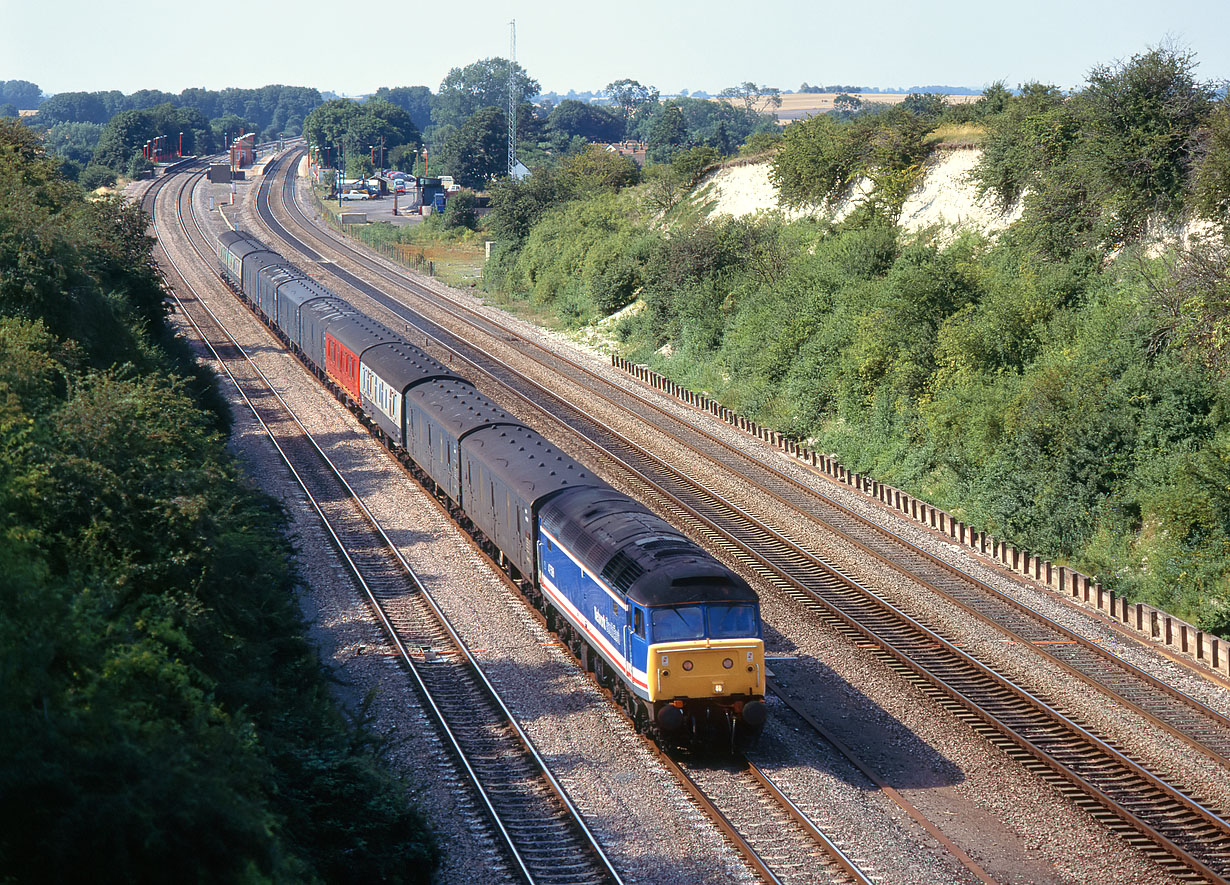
[[606, 623]]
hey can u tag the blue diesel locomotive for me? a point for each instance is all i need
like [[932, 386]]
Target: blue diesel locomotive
[[674, 634]]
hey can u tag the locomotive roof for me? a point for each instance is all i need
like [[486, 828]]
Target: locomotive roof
[[400, 364], [457, 405], [526, 462], [637, 552]]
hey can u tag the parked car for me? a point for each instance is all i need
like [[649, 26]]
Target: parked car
[[399, 186], [356, 195]]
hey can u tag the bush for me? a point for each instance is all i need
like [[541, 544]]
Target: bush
[[1212, 187], [460, 211], [760, 143], [95, 176], [692, 163], [820, 158]]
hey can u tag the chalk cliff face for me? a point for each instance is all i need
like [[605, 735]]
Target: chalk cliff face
[[946, 196]]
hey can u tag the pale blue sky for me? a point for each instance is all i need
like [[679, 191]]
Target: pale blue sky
[[68, 45]]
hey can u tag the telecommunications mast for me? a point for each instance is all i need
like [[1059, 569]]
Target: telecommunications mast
[[512, 96]]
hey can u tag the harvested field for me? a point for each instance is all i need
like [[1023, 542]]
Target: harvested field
[[801, 105]]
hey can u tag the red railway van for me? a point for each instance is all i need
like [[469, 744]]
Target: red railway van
[[346, 337]]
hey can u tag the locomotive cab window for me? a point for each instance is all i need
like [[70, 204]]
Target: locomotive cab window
[[638, 622], [678, 622], [731, 620]]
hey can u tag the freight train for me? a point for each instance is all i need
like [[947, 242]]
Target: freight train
[[675, 635]]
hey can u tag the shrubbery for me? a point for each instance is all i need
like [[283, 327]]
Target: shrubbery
[[1096, 167], [820, 159], [161, 716]]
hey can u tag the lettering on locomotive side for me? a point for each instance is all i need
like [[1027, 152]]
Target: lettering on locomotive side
[[606, 624]]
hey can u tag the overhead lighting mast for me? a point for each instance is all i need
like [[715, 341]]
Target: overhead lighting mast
[[512, 96]]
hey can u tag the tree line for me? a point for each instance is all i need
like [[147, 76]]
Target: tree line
[[162, 717], [100, 136], [462, 125]]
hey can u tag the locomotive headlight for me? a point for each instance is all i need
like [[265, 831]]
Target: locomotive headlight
[[687, 665], [728, 663]]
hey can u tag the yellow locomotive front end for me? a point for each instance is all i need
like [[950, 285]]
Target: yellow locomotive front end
[[700, 685]]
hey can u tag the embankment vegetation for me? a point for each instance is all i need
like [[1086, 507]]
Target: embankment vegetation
[[162, 717], [1062, 385]]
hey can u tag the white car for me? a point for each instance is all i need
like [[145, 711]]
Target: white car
[[356, 195]]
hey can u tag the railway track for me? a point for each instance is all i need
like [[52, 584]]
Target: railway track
[[541, 834], [1187, 832], [809, 856], [783, 843], [1171, 710]]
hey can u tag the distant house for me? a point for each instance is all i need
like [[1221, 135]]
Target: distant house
[[633, 149]]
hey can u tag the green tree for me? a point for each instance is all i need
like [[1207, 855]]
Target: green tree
[[478, 152], [928, 105], [461, 211], [668, 134], [482, 84], [1191, 299], [715, 123], [1212, 184], [1140, 127], [820, 158], [94, 176], [994, 100], [516, 206], [693, 163], [755, 99], [22, 94], [417, 101], [80, 107], [1029, 136], [596, 170], [846, 103], [329, 125], [161, 715], [122, 138], [226, 128], [630, 96], [591, 122]]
